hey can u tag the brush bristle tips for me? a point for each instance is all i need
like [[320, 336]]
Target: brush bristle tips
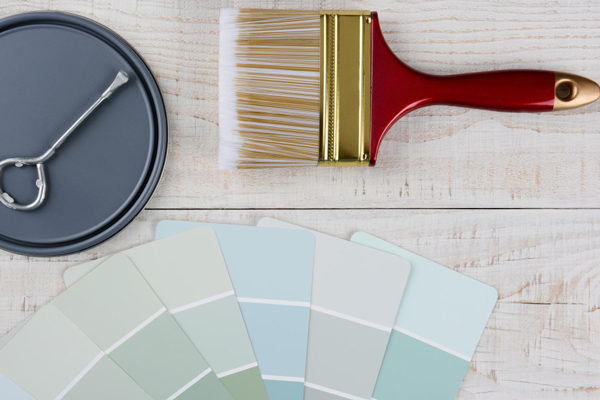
[[269, 88]]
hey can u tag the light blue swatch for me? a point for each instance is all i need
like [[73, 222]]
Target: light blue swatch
[[271, 272], [12, 391], [440, 321]]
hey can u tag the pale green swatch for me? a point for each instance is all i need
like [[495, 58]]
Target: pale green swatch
[[109, 302], [6, 338], [49, 354]]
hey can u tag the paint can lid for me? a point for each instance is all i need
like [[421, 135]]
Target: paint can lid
[[53, 67]]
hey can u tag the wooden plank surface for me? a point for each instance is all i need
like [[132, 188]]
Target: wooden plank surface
[[543, 341], [436, 157]]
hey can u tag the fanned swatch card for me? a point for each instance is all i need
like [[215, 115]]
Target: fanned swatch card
[[441, 319], [115, 307], [12, 391], [9, 389], [51, 359], [355, 299], [271, 271], [188, 273]]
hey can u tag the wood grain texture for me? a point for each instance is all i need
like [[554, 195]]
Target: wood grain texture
[[543, 340], [436, 157]]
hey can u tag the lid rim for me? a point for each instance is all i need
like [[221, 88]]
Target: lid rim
[[152, 175]]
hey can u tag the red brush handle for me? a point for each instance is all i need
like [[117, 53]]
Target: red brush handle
[[397, 89]]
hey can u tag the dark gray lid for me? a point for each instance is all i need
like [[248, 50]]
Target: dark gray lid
[[53, 66]]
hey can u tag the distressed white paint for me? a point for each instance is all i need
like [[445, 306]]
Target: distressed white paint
[[543, 341]]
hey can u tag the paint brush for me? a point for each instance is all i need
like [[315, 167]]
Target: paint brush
[[308, 88]]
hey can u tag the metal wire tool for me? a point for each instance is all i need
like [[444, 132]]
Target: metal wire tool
[[41, 182]]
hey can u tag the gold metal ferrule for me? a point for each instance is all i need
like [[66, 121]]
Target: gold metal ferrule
[[345, 88]]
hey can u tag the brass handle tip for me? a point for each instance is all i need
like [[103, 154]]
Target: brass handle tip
[[572, 91]]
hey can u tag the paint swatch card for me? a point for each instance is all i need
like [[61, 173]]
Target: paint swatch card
[[115, 307], [8, 337], [51, 359], [355, 299], [188, 274], [441, 318], [12, 391], [271, 271], [9, 389]]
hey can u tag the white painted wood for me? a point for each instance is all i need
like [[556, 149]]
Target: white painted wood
[[543, 341], [436, 157]]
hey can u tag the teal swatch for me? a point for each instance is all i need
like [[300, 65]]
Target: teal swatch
[[415, 370], [440, 321]]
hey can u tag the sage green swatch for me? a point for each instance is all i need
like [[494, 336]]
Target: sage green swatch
[[243, 384], [162, 360]]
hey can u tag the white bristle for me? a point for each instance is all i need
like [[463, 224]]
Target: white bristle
[[269, 88]]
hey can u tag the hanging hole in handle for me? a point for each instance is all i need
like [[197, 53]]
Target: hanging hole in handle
[[566, 91]]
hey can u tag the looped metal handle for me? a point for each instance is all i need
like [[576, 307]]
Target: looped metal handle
[[41, 183], [8, 200]]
